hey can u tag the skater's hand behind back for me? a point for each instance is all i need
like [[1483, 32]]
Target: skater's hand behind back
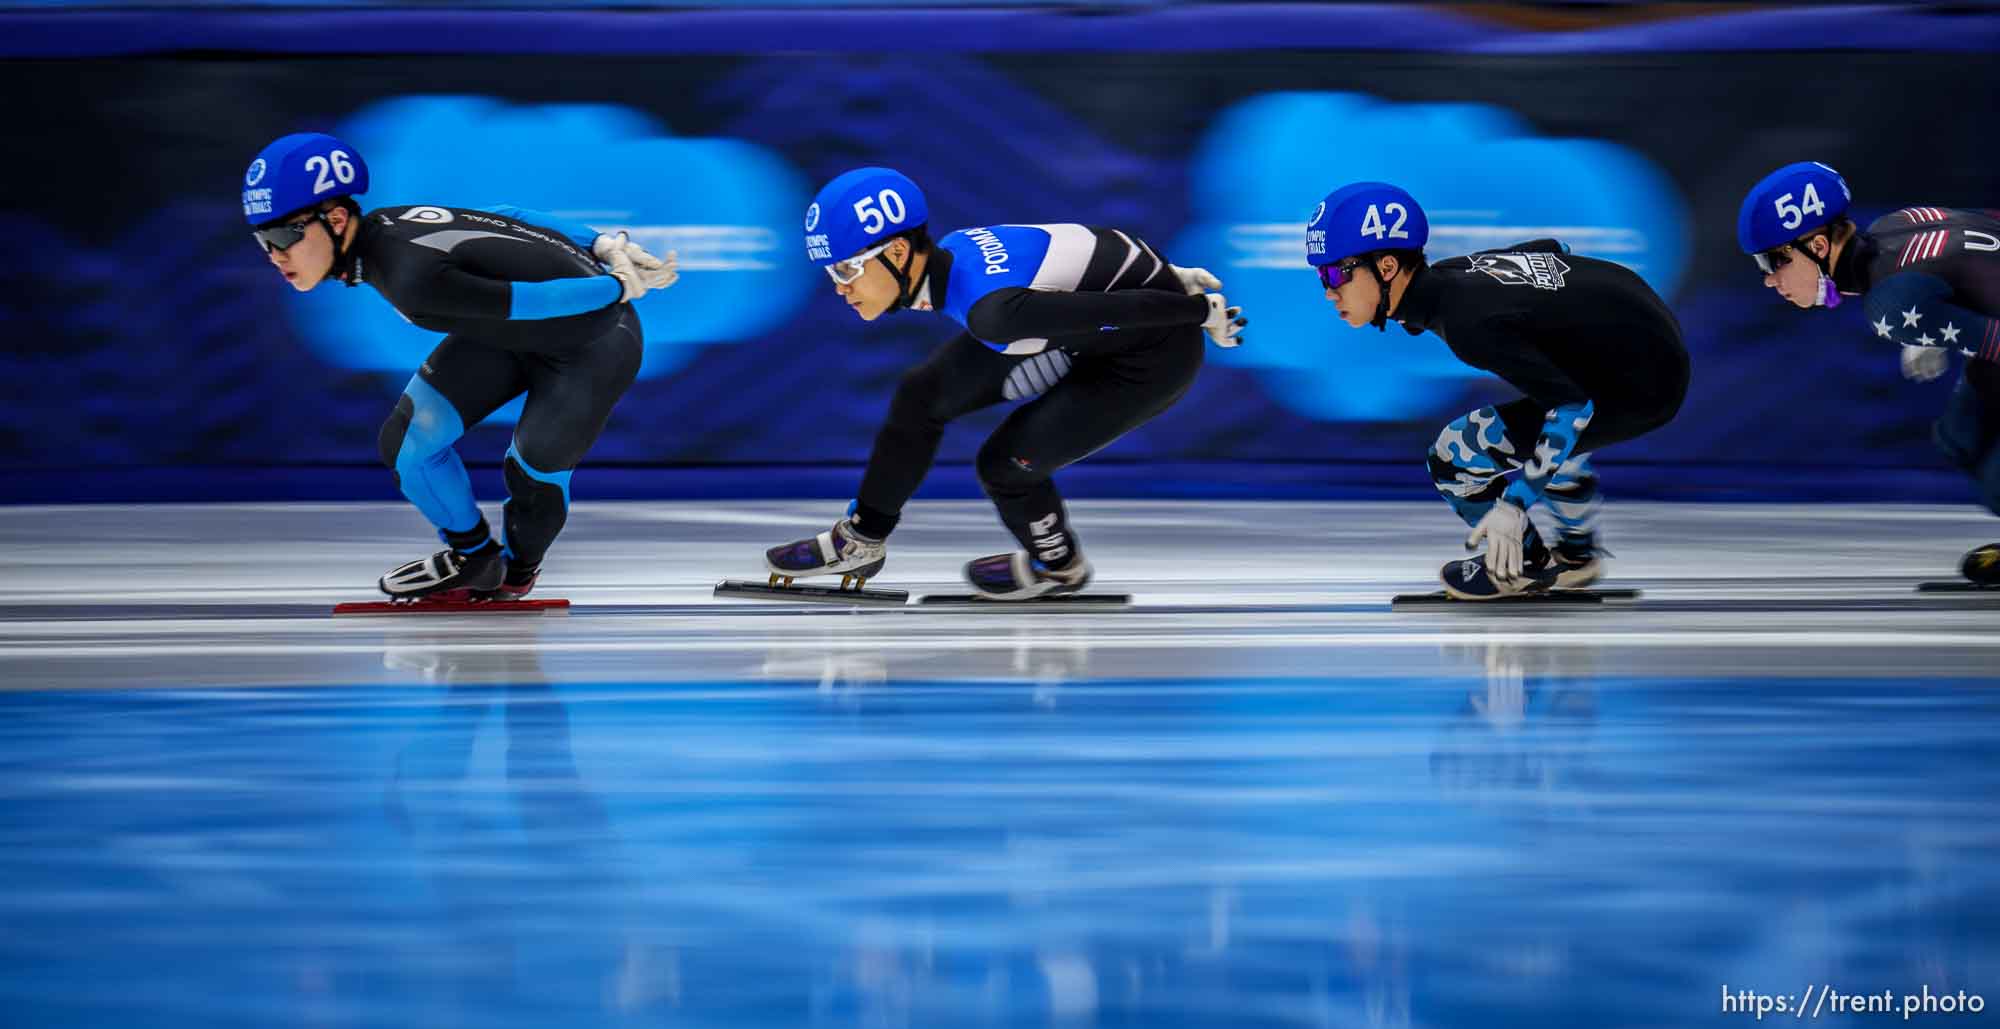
[[1195, 281], [1225, 323], [1922, 364]]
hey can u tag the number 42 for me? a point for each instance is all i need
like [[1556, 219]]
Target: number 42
[[1371, 223]]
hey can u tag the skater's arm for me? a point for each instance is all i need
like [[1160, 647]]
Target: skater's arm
[[1006, 315], [579, 233], [1561, 428], [453, 292], [1914, 309]]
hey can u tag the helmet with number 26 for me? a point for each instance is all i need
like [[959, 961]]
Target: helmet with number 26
[[299, 171], [1789, 203]]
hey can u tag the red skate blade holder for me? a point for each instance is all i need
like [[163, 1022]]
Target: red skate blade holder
[[524, 606]]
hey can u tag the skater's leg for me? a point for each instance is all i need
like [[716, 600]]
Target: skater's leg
[[1102, 398], [1573, 499], [961, 376], [460, 383], [1473, 454], [1968, 430], [570, 397]]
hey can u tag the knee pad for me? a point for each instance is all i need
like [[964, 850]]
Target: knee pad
[[389, 442]]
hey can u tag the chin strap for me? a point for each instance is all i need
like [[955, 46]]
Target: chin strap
[[906, 291], [1828, 295], [344, 258], [1381, 319]]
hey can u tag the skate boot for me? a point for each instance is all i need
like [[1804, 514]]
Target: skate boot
[[518, 583], [838, 551], [448, 575], [1468, 579], [1982, 565], [1017, 576], [1579, 562]]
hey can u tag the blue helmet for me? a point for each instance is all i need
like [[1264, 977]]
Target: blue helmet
[[1363, 217], [1789, 203], [860, 209], [298, 171]]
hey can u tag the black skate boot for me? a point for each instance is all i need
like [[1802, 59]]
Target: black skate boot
[[1982, 566], [448, 575], [1017, 576], [1579, 562], [838, 551], [518, 583], [1468, 579]]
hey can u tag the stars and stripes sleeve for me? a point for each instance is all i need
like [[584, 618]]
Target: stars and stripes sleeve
[[1915, 309]]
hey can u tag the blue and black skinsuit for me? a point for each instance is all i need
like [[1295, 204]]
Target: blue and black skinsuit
[[525, 309], [1091, 319]]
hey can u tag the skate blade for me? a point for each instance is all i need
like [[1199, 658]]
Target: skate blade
[[1586, 598], [1045, 600], [1959, 586], [816, 594], [454, 607]]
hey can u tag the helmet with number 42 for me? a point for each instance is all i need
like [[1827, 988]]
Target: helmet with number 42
[[859, 211], [1362, 217]]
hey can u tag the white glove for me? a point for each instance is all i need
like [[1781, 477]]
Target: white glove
[[610, 251], [1922, 364], [1195, 281], [1225, 323], [657, 273], [1503, 529]]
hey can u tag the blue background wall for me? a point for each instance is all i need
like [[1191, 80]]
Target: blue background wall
[[152, 352]]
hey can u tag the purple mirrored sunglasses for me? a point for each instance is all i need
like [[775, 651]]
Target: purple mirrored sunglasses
[[1334, 276]]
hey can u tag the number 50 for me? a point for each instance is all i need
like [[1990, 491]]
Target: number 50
[[872, 219]]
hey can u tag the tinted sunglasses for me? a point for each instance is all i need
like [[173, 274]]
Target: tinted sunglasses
[[1773, 259], [1334, 276], [1783, 254], [285, 235]]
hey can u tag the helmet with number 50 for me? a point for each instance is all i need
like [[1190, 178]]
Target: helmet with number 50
[[860, 209], [855, 220]]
